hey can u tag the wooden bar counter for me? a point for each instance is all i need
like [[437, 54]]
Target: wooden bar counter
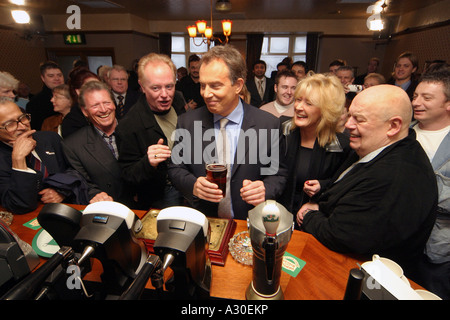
[[323, 277]]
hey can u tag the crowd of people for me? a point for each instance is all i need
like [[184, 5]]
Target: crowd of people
[[362, 163]]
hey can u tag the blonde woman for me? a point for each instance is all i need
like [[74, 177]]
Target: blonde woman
[[315, 148]]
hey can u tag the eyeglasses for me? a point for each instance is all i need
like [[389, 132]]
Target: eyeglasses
[[12, 125], [119, 79]]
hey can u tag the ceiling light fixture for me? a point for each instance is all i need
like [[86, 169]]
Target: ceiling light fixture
[[20, 16], [207, 31], [223, 5]]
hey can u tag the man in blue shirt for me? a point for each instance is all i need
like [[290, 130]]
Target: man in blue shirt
[[256, 172]]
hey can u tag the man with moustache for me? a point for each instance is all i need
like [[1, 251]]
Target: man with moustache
[[27, 158], [385, 201], [92, 150], [144, 135]]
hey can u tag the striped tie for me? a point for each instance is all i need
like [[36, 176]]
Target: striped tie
[[120, 106]]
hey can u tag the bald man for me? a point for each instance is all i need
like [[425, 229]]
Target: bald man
[[383, 200]]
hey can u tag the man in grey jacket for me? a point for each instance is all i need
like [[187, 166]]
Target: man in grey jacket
[[431, 102]]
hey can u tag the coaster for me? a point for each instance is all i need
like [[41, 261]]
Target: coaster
[[32, 224], [292, 265]]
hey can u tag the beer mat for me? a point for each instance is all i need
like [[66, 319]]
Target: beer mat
[[32, 224], [221, 232], [291, 264]]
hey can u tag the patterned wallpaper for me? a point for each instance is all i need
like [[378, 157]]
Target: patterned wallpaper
[[428, 44], [22, 57]]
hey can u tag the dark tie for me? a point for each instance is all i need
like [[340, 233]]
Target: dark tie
[[37, 165], [224, 210], [120, 106]]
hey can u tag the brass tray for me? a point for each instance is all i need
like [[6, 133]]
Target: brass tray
[[221, 232]]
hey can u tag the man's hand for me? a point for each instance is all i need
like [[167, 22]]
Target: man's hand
[[304, 210], [101, 196], [253, 192], [49, 195], [207, 190], [158, 153], [22, 147]]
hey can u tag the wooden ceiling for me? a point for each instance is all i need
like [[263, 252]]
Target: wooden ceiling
[[241, 9]]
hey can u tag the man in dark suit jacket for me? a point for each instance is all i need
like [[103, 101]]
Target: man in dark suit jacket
[[259, 70], [386, 203], [92, 150], [253, 134], [124, 97], [21, 184], [144, 134], [40, 107]]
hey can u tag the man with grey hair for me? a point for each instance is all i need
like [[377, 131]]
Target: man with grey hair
[[92, 150], [255, 171], [28, 159], [124, 97]]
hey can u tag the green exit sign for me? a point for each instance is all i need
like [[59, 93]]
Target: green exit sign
[[74, 38]]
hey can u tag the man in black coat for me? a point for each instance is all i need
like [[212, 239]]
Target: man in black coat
[[92, 150], [385, 203], [144, 134], [40, 107], [265, 93]]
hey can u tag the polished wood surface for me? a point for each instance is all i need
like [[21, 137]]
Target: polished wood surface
[[324, 276]]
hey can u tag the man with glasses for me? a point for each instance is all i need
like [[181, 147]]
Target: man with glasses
[[124, 97], [27, 158]]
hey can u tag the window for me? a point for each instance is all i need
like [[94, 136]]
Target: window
[[184, 46], [276, 48]]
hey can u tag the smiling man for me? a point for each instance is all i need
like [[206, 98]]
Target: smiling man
[[144, 134], [385, 202], [431, 103], [253, 143], [92, 150], [283, 105]]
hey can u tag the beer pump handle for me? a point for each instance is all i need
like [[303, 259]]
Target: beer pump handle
[[136, 288], [271, 220], [30, 285]]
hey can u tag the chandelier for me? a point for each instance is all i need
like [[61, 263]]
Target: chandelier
[[207, 31]]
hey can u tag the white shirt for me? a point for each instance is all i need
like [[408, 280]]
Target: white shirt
[[430, 140]]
